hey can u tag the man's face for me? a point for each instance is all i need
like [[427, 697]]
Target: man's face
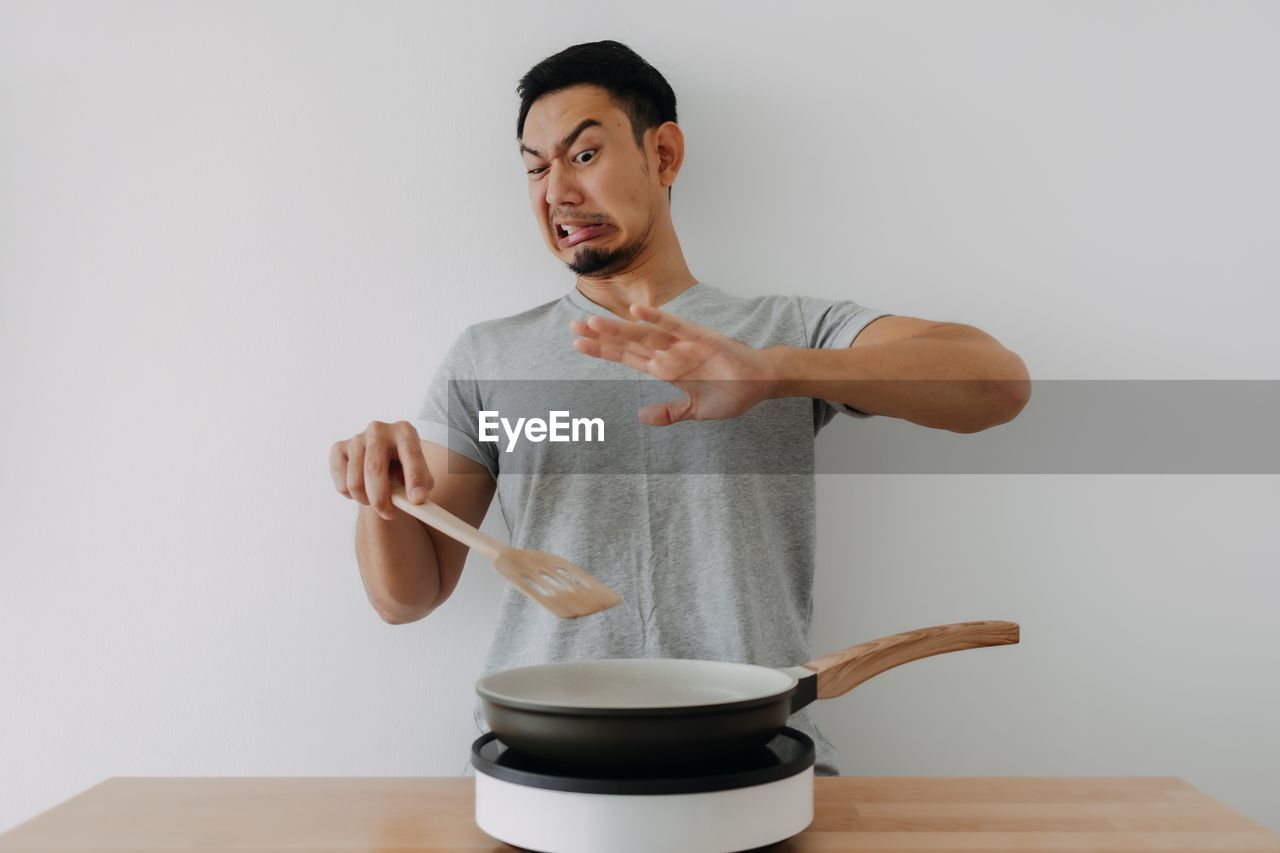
[[591, 187]]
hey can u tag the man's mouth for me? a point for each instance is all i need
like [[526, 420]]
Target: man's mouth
[[570, 234]]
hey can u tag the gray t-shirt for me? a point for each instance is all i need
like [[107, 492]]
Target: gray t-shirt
[[714, 565]]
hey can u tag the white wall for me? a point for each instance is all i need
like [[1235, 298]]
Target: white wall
[[232, 234]]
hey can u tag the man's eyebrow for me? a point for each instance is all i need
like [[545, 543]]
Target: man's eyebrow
[[567, 141]]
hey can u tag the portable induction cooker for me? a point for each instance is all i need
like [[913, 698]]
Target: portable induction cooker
[[741, 803]]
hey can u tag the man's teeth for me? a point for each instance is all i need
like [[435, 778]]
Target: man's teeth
[[569, 229]]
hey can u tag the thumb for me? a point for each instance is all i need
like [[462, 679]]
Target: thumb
[[667, 412]]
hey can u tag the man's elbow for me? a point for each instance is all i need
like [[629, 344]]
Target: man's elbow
[[1004, 398], [1017, 389], [401, 615], [1014, 393]]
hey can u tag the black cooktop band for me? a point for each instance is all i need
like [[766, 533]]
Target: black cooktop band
[[789, 753]]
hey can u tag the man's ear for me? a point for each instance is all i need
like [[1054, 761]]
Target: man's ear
[[669, 143]]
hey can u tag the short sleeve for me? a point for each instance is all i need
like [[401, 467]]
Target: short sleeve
[[833, 324], [452, 404]]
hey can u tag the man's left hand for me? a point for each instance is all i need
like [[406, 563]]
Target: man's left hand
[[721, 377]]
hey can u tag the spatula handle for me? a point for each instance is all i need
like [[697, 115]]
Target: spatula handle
[[441, 519]]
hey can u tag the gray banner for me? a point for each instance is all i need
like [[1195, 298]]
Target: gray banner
[[1068, 427]]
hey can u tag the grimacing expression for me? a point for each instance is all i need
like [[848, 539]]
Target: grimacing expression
[[590, 185]]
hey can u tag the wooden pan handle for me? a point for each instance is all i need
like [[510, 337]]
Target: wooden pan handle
[[840, 672]]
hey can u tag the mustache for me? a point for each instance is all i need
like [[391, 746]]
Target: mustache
[[593, 218]]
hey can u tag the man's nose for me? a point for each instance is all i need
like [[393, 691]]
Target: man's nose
[[561, 187]]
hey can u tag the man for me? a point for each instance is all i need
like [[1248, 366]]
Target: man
[[716, 564]]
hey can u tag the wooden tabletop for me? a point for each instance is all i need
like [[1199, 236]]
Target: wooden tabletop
[[851, 813]]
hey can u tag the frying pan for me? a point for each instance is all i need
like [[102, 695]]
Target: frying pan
[[663, 712]]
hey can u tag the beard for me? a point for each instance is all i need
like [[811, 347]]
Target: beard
[[590, 262]]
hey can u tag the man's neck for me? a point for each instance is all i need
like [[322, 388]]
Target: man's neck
[[655, 276], [618, 297], [645, 284]]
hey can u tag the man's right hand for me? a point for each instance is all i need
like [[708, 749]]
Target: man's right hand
[[363, 466]]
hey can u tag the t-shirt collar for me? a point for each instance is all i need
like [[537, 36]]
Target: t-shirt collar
[[579, 299]]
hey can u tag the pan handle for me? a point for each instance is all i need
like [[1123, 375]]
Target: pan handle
[[840, 672]]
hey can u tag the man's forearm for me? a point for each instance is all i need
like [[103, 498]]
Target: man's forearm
[[954, 377], [397, 564]]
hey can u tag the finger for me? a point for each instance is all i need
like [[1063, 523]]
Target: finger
[[338, 467], [617, 342], [640, 333], [611, 341], [586, 346], [378, 453], [418, 481], [669, 323], [578, 327], [668, 366], [638, 362], [641, 351], [611, 352], [355, 470], [667, 412]]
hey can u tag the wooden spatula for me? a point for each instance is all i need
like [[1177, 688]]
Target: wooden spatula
[[554, 582]]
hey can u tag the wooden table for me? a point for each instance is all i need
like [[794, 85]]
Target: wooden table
[[851, 813]]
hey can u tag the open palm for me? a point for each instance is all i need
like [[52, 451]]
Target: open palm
[[721, 377]]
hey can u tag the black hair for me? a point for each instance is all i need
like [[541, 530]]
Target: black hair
[[636, 87]]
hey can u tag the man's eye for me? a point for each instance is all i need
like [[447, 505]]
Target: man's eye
[[537, 170], [590, 152]]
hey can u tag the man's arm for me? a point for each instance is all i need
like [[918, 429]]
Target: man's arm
[[408, 568], [942, 375]]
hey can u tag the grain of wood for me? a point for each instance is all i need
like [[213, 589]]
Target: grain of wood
[[852, 813]]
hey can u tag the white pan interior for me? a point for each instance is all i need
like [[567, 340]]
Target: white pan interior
[[635, 683]]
